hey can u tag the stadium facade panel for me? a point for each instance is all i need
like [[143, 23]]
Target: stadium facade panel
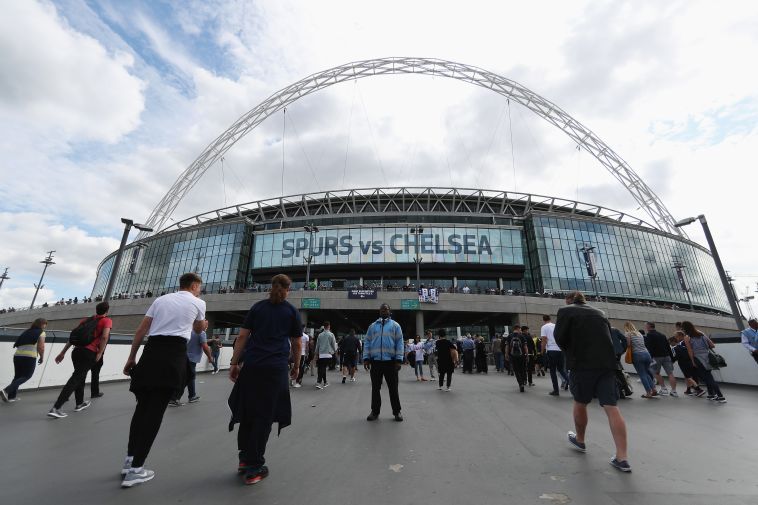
[[485, 240]]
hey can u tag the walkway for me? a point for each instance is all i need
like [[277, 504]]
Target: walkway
[[483, 443]]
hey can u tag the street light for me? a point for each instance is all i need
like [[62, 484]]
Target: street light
[[722, 274], [4, 277], [310, 229], [128, 223], [679, 267], [588, 251], [47, 261], [417, 230]]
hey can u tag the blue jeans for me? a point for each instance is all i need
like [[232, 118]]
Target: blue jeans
[[641, 362], [420, 368], [24, 369], [215, 355], [499, 361]]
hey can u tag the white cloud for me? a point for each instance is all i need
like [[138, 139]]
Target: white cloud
[[62, 82]]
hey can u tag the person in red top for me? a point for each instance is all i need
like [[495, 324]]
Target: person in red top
[[84, 359]]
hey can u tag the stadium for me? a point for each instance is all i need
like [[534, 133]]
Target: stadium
[[391, 242]]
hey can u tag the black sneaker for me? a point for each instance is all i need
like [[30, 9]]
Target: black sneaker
[[175, 403], [372, 417], [254, 476], [521, 388], [554, 393], [575, 444], [720, 399], [689, 392], [344, 379], [97, 395], [620, 465], [82, 406], [398, 418], [700, 393]]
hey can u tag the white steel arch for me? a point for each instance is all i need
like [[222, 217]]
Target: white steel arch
[[544, 108]]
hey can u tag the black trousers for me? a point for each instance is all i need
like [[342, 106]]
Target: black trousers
[[322, 363], [387, 371], [95, 383], [146, 421], [529, 368], [555, 362], [468, 361], [443, 374], [83, 360], [301, 371], [519, 368]]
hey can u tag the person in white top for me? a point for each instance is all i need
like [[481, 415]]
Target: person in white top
[[553, 354], [418, 348], [161, 370], [304, 340]]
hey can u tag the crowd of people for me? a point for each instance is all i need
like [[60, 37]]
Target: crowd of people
[[273, 353]]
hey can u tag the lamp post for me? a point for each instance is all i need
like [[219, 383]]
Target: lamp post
[[747, 300], [4, 277], [310, 229], [588, 252], [128, 223], [679, 267], [47, 261], [417, 230], [727, 287]]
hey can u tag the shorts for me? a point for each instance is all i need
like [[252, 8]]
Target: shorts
[[664, 361], [349, 360], [588, 384]]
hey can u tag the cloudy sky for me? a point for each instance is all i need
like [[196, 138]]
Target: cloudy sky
[[104, 103]]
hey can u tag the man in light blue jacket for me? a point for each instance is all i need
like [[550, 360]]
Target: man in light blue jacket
[[383, 354]]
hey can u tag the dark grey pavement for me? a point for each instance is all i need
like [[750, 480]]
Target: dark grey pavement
[[482, 443]]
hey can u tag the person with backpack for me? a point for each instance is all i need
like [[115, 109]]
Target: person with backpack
[[30, 350], [89, 339], [516, 353]]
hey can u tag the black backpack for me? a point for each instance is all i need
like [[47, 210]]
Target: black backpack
[[517, 346], [84, 333]]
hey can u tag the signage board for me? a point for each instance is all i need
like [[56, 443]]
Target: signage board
[[362, 294], [310, 303], [409, 304]]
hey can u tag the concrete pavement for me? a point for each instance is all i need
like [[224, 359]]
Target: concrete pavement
[[484, 442]]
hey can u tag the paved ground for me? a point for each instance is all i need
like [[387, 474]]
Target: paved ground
[[482, 443]]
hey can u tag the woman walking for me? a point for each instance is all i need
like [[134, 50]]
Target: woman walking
[[447, 356], [698, 345], [641, 358], [417, 356], [30, 350], [270, 334]]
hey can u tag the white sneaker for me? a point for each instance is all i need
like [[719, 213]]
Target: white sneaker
[[319, 386], [439, 388], [127, 466], [663, 392], [448, 389], [674, 394], [56, 413], [352, 379], [137, 477], [297, 385]]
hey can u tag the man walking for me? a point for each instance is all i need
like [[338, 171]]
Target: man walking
[[749, 338], [326, 346], [215, 345], [430, 353], [161, 370], [516, 354], [197, 345], [658, 345], [497, 353], [383, 356], [553, 355], [304, 346], [468, 347], [350, 347], [584, 334], [84, 358]]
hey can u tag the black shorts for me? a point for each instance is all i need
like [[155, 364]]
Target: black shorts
[[588, 384], [349, 360]]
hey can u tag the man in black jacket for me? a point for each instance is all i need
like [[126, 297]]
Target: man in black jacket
[[584, 334], [660, 350]]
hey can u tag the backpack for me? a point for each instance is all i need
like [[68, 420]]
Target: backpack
[[84, 333], [517, 346]]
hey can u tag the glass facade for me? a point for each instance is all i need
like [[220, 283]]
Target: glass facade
[[220, 254], [630, 262], [335, 246]]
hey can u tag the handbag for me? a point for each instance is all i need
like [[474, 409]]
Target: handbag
[[716, 360], [628, 356]]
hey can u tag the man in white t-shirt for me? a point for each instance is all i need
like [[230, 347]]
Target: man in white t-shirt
[[161, 370], [553, 355], [304, 340]]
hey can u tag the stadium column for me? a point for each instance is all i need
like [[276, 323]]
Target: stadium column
[[419, 323]]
